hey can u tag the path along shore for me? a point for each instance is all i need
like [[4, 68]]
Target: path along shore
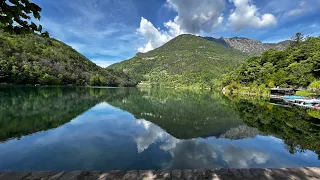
[[214, 174]]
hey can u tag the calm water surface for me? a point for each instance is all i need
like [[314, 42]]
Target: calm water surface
[[47, 128]]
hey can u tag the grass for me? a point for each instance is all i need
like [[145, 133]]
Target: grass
[[305, 93]]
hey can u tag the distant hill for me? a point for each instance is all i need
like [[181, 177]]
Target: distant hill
[[298, 66], [249, 46], [185, 61], [33, 59]]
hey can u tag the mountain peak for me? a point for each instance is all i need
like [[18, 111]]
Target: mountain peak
[[249, 46]]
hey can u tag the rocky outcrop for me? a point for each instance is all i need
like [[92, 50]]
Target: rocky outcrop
[[240, 132], [249, 46]]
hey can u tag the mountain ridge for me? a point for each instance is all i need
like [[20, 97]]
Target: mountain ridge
[[249, 46]]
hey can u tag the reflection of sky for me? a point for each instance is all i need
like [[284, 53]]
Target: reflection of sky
[[108, 138]]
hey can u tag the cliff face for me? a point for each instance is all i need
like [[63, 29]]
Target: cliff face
[[249, 46]]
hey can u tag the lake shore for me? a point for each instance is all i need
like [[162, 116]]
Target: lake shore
[[225, 174]]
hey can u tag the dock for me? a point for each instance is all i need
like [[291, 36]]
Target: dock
[[213, 174], [283, 91]]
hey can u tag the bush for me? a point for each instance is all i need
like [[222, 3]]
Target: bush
[[315, 85]]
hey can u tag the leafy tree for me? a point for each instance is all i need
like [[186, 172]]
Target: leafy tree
[[298, 38], [15, 16]]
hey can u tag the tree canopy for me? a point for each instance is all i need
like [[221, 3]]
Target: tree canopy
[[297, 66], [16, 16]]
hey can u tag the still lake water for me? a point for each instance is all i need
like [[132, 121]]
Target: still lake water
[[51, 128]]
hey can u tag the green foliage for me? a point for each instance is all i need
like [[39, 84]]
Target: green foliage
[[15, 16], [314, 113], [34, 59], [315, 85], [97, 80], [304, 93], [297, 66], [186, 61], [271, 84]]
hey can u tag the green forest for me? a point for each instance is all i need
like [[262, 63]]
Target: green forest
[[29, 56], [33, 59], [298, 67], [185, 61]]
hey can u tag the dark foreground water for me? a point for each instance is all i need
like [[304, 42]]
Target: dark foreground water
[[125, 128]]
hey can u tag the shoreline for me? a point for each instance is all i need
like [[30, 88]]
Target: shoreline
[[224, 174]]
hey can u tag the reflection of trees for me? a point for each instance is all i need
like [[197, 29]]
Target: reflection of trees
[[183, 114], [293, 125], [28, 110]]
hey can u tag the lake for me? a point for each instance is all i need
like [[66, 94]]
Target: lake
[[80, 128]]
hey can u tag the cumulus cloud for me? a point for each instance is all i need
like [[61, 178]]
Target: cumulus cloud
[[193, 17], [155, 37], [246, 15], [198, 16]]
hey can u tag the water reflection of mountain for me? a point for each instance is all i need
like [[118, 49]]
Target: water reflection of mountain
[[26, 110], [299, 130], [183, 114], [200, 153]]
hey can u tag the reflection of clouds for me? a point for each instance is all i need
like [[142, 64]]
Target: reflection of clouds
[[243, 158], [193, 154], [152, 134], [197, 154]]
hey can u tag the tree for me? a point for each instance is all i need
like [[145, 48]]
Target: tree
[[298, 38], [14, 16]]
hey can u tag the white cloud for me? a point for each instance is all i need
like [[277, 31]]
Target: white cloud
[[246, 15], [303, 7], [152, 134], [155, 37], [193, 17], [198, 16], [243, 158], [88, 26]]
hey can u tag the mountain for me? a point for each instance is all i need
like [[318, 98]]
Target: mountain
[[297, 66], [249, 46], [185, 61], [33, 59]]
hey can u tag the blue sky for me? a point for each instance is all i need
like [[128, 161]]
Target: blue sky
[[109, 31]]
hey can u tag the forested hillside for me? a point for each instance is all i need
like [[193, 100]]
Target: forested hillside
[[34, 59], [185, 61], [297, 66]]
